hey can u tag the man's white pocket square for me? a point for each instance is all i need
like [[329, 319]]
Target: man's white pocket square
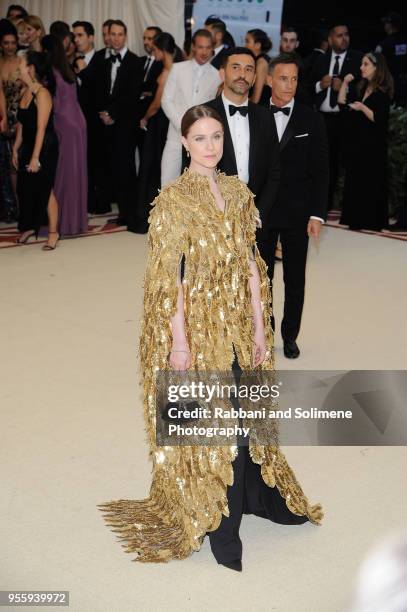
[[301, 135]]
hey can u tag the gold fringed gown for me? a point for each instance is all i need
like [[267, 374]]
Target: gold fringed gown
[[188, 493]]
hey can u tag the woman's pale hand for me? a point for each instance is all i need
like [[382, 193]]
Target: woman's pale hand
[[180, 358], [143, 123], [357, 106], [259, 348], [34, 165], [348, 78], [15, 159]]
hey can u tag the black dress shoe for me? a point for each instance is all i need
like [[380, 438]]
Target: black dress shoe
[[291, 350], [138, 228], [398, 227], [234, 565]]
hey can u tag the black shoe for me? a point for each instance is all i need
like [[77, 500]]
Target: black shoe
[[234, 565], [397, 227], [291, 350], [138, 228]]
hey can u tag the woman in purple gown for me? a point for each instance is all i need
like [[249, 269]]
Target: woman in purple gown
[[71, 182]]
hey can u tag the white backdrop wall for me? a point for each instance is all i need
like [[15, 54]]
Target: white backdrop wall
[[136, 14]]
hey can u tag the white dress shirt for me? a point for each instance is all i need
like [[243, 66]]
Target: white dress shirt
[[88, 56], [116, 66], [198, 73], [281, 123], [325, 106], [217, 50], [240, 133], [281, 119]]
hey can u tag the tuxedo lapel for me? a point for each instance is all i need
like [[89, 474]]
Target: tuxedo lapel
[[229, 157], [345, 65], [255, 131], [108, 74], [120, 70], [290, 128]]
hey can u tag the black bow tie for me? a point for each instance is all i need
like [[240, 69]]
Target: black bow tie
[[243, 110], [277, 109], [116, 58]]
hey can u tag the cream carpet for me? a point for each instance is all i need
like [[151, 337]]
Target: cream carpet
[[72, 432]]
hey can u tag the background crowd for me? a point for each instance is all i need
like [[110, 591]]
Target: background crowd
[[82, 128]]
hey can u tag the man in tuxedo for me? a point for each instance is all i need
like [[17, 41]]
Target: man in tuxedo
[[151, 71], [300, 206], [321, 47], [218, 31], [84, 37], [326, 82], [250, 147], [106, 36], [189, 83], [118, 83]]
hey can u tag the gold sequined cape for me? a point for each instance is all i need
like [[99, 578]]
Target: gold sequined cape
[[188, 491]]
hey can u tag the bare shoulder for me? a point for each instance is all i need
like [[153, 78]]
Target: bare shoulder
[[43, 95]]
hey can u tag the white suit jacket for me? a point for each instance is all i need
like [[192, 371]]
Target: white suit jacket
[[177, 96]]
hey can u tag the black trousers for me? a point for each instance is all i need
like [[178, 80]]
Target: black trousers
[[294, 242], [117, 167], [249, 494], [334, 123]]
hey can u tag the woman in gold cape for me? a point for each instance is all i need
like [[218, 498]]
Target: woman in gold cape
[[188, 494]]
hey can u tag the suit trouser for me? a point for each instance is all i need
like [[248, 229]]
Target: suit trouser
[[334, 128], [225, 542], [294, 242], [171, 161], [119, 167], [249, 494]]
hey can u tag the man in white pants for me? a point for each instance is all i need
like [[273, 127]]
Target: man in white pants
[[189, 83]]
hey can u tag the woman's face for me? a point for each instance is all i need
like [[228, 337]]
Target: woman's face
[[22, 36], [158, 54], [205, 142], [9, 45], [367, 68], [31, 34], [250, 44]]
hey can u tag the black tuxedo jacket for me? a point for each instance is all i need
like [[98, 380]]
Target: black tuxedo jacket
[[264, 167], [351, 64], [122, 102], [149, 86], [86, 90], [218, 59], [304, 169]]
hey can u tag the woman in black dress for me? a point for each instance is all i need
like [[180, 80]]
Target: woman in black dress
[[257, 41], [367, 117], [35, 152]]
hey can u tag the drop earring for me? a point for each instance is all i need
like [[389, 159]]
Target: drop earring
[[188, 155]]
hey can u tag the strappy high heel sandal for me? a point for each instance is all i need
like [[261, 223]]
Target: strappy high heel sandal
[[48, 247]]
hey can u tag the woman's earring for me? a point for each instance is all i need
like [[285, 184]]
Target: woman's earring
[[188, 153]]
